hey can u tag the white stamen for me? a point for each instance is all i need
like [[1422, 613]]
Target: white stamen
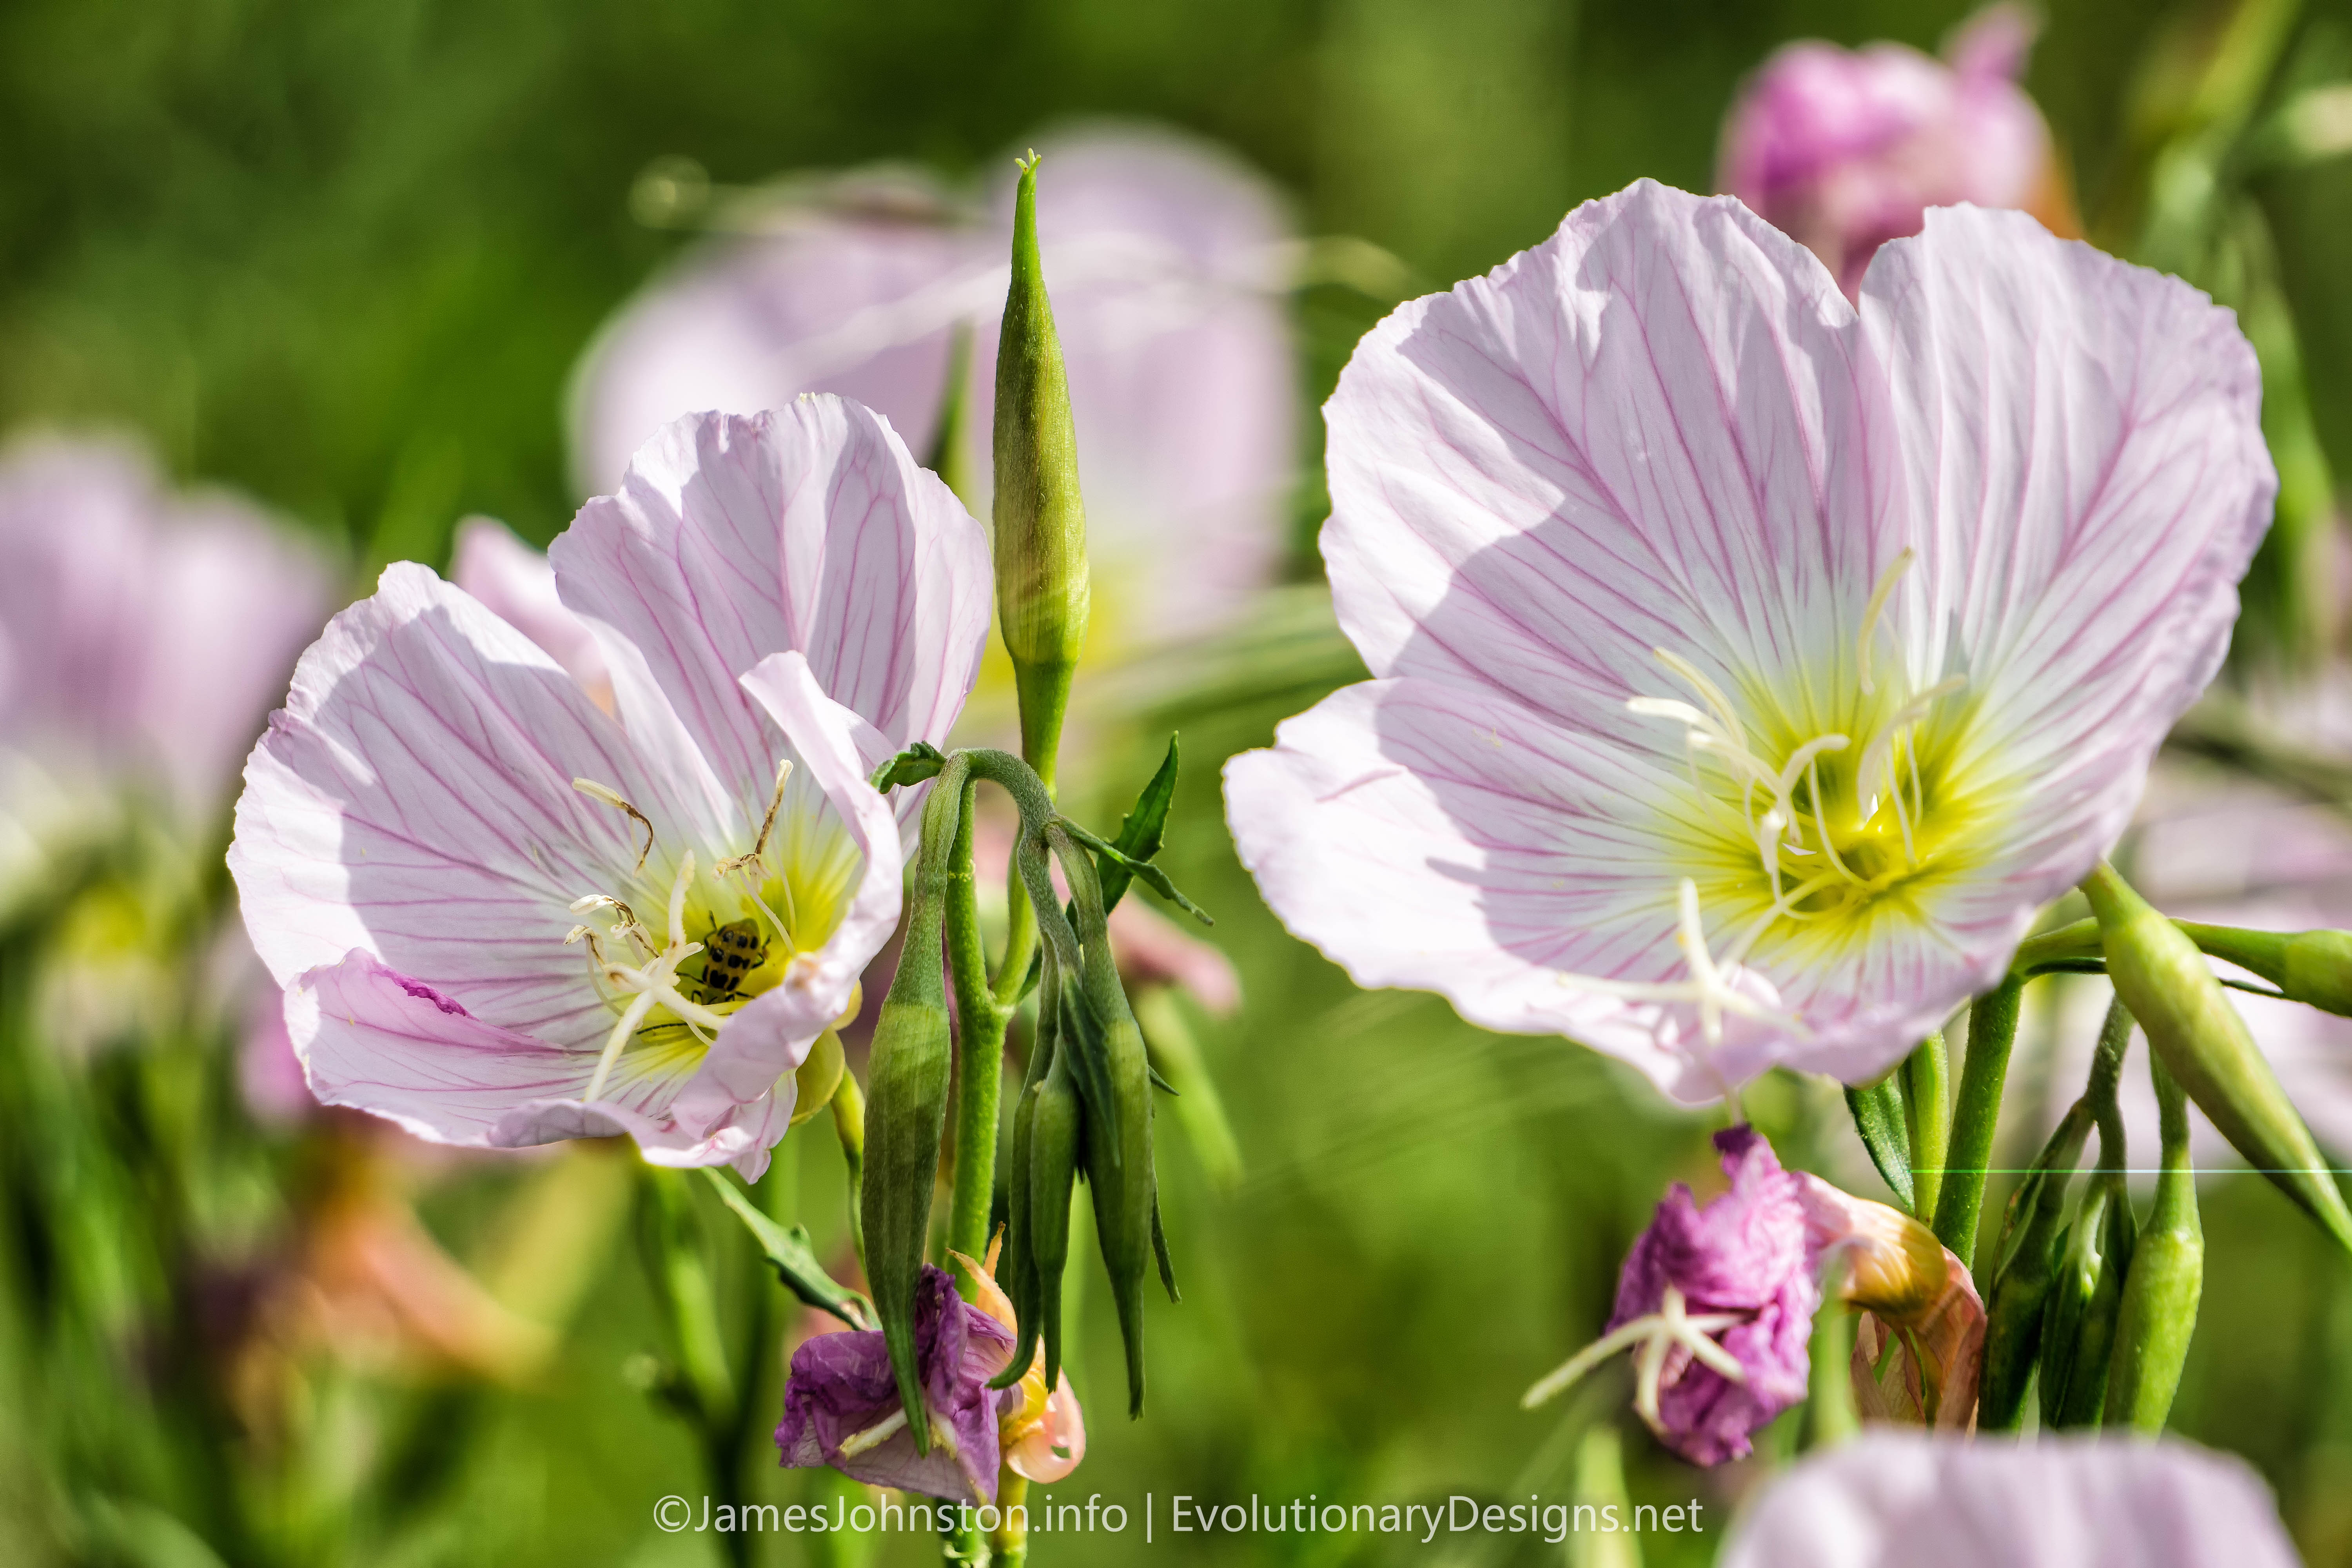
[[1878, 597], [611, 797], [1657, 1333], [874, 1436], [1707, 988]]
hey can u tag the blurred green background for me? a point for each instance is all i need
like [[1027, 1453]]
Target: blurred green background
[[343, 253]]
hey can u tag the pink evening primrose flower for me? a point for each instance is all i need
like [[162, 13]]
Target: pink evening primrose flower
[[1751, 666], [1892, 1500], [502, 916], [142, 637], [516, 584], [1847, 150], [1166, 259]]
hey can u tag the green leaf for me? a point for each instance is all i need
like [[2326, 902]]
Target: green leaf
[[919, 762], [794, 1260], [1113, 859], [1883, 1120], [1142, 830]]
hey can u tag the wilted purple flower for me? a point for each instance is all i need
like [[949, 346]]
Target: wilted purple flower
[[1719, 1302], [1751, 667], [1894, 1500], [842, 1406], [503, 917], [1165, 257], [1847, 150], [142, 636]]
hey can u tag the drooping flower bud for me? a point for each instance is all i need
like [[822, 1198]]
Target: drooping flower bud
[[2027, 1267], [1916, 1293], [1042, 593], [2078, 1325], [2157, 1314], [906, 1111], [2164, 980], [1118, 1126]]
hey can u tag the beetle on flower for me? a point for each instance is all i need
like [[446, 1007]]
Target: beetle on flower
[[503, 917], [1751, 667]]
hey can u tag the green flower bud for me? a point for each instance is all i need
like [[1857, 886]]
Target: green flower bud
[[2160, 975], [1054, 1136], [1041, 524], [2159, 1311], [908, 1101], [1019, 1273], [2021, 1289], [2311, 966]]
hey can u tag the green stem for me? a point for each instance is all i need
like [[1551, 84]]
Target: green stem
[[981, 1020], [1925, 1076], [1975, 1116]]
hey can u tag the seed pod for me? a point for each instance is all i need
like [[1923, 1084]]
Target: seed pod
[[1042, 592], [2164, 980], [906, 1105], [1118, 1128], [2157, 1315], [2022, 1284]]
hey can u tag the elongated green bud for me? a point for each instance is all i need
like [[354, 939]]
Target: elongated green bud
[[2159, 1313], [2311, 967], [1118, 1131], [906, 1105], [1019, 1273], [1041, 524], [2021, 1289], [1054, 1138], [2079, 1324], [2162, 978]]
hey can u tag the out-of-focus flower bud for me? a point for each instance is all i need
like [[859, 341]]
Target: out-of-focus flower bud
[[2157, 1314], [906, 1112], [1846, 149], [2160, 975], [2313, 967], [1042, 1434], [1042, 593]]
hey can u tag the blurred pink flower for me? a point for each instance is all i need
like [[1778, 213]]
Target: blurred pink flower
[[1894, 1500], [1847, 150], [781, 601], [1165, 257], [1751, 667], [142, 637], [516, 584]]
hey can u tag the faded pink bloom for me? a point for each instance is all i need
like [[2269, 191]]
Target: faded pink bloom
[[142, 637], [842, 1405], [502, 916], [1752, 667], [1891, 1500], [1847, 150], [516, 584], [1165, 258]]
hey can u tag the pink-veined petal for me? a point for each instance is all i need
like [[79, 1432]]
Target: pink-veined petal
[[1650, 431], [2087, 479], [516, 584], [1893, 1499], [415, 800], [771, 1036], [806, 530]]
